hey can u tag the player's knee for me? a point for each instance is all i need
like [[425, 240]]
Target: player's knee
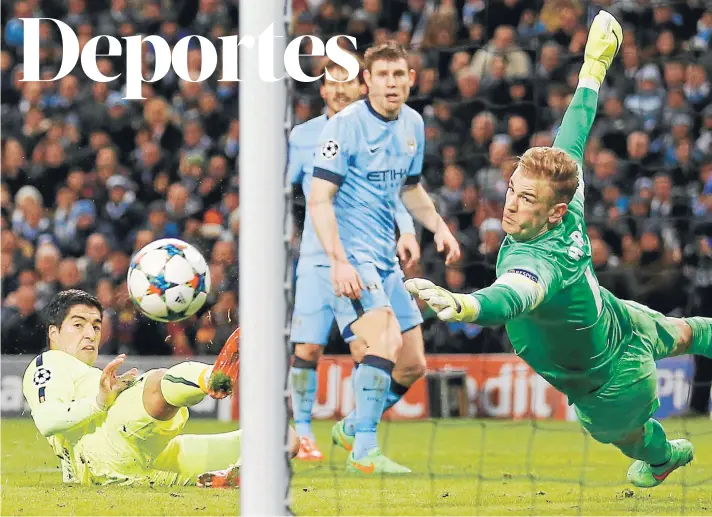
[[153, 400], [153, 381], [308, 352], [387, 344], [380, 331], [628, 439]]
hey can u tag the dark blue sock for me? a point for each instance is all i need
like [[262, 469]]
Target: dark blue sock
[[303, 376], [394, 394], [373, 381]]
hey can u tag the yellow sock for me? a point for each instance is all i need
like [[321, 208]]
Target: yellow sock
[[192, 454], [185, 384]]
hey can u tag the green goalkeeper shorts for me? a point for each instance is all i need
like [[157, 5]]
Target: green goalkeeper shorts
[[629, 398]]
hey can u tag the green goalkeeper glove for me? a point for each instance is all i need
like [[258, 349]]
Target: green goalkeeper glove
[[605, 38], [448, 306]]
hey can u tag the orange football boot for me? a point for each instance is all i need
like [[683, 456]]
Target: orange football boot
[[308, 450], [228, 478]]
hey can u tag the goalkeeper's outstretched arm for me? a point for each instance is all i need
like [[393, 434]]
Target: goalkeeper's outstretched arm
[[604, 40], [514, 293]]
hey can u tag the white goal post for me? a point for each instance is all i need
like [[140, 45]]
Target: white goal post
[[264, 353]]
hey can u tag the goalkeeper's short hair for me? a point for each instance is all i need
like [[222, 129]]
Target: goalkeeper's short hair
[[555, 166]]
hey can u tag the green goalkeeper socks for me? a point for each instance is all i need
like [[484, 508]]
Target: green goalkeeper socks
[[701, 336], [185, 384], [653, 448]]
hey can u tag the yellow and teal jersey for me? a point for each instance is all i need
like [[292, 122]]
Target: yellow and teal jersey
[[61, 392]]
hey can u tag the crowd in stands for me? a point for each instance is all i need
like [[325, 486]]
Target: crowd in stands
[[88, 178]]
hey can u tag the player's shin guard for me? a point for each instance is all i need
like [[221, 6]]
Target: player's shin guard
[[701, 336], [653, 447], [392, 397], [185, 384], [303, 377], [373, 380]]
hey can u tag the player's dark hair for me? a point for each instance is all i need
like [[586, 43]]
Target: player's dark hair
[[391, 50], [332, 65], [62, 303]]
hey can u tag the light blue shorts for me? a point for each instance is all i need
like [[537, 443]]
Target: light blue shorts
[[316, 305]]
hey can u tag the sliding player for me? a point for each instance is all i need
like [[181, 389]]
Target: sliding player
[[598, 350], [370, 152], [313, 316], [124, 429]]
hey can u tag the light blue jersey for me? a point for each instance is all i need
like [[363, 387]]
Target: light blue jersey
[[370, 158], [304, 144], [367, 206]]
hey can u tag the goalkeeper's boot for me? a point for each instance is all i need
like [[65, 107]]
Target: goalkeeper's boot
[[643, 475], [374, 463], [605, 38], [340, 438], [228, 478], [308, 450], [227, 366]]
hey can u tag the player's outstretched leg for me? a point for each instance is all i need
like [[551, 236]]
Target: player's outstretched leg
[[656, 457], [303, 391], [230, 476], [186, 384], [208, 461]]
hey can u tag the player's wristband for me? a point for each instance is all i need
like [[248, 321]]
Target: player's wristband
[[469, 309], [589, 82]]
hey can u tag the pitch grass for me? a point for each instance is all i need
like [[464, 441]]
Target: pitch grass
[[461, 467]]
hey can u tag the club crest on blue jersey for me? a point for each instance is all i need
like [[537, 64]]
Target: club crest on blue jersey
[[411, 146]]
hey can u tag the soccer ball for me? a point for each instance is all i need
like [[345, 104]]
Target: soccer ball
[[168, 280]]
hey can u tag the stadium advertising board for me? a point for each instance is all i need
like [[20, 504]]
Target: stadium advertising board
[[497, 386]]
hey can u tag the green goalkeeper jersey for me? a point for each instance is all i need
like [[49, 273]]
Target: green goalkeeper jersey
[[568, 329]]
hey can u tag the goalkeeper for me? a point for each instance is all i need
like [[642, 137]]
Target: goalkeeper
[[598, 350], [123, 429]]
